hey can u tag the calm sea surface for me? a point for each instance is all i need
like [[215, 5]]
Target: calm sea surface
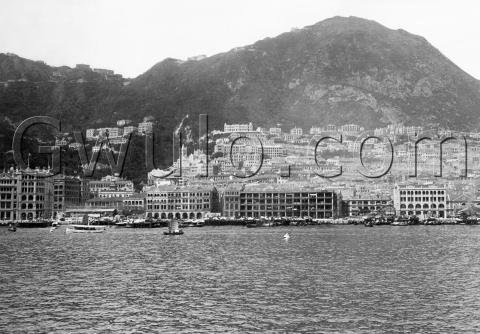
[[347, 279]]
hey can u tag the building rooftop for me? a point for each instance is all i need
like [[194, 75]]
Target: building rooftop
[[106, 200], [170, 187], [285, 187]]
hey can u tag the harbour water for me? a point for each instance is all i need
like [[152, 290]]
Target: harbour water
[[324, 279]]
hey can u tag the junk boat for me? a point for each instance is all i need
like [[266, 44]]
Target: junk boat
[[173, 228]]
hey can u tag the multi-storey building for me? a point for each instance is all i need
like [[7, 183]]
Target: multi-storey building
[[181, 202], [105, 203], [231, 200], [316, 130], [111, 186], [237, 127], [8, 196], [351, 129], [275, 131], [331, 128], [67, 192], [145, 127], [25, 194], [271, 151], [296, 131], [281, 200], [421, 201], [129, 129], [91, 133], [361, 205], [136, 202]]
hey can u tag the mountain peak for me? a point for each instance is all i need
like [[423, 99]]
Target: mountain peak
[[340, 70]]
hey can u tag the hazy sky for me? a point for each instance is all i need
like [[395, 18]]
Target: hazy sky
[[131, 36]]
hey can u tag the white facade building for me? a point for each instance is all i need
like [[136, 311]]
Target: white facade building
[[421, 201], [238, 127]]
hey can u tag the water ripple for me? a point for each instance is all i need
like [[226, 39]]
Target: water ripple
[[235, 280]]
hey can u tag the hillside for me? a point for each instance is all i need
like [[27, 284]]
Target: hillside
[[341, 70]]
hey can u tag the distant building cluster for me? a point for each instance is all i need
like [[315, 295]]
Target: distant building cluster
[[118, 134], [264, 172]]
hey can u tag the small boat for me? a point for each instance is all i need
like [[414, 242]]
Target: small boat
[[368, 222], [12, 228], [84, 229], [173, 228], [286, 236], [400, 222]]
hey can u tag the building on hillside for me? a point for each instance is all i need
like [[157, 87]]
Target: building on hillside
[[145, 128], [296, 131], [237, 127], [275, 131]]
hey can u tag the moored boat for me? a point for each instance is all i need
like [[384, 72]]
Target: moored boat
[[173, 228], [85, 229], [400, 221]]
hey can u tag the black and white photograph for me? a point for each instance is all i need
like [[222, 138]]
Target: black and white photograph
[[255, 166]]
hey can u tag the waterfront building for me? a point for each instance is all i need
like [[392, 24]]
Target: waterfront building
[[67, 192], [420, 200], [231, 200], [105, 203], [367, 203], [194, 201], [25, 194], [237, 127], [136, 202], [8, 196], [282, 200]]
